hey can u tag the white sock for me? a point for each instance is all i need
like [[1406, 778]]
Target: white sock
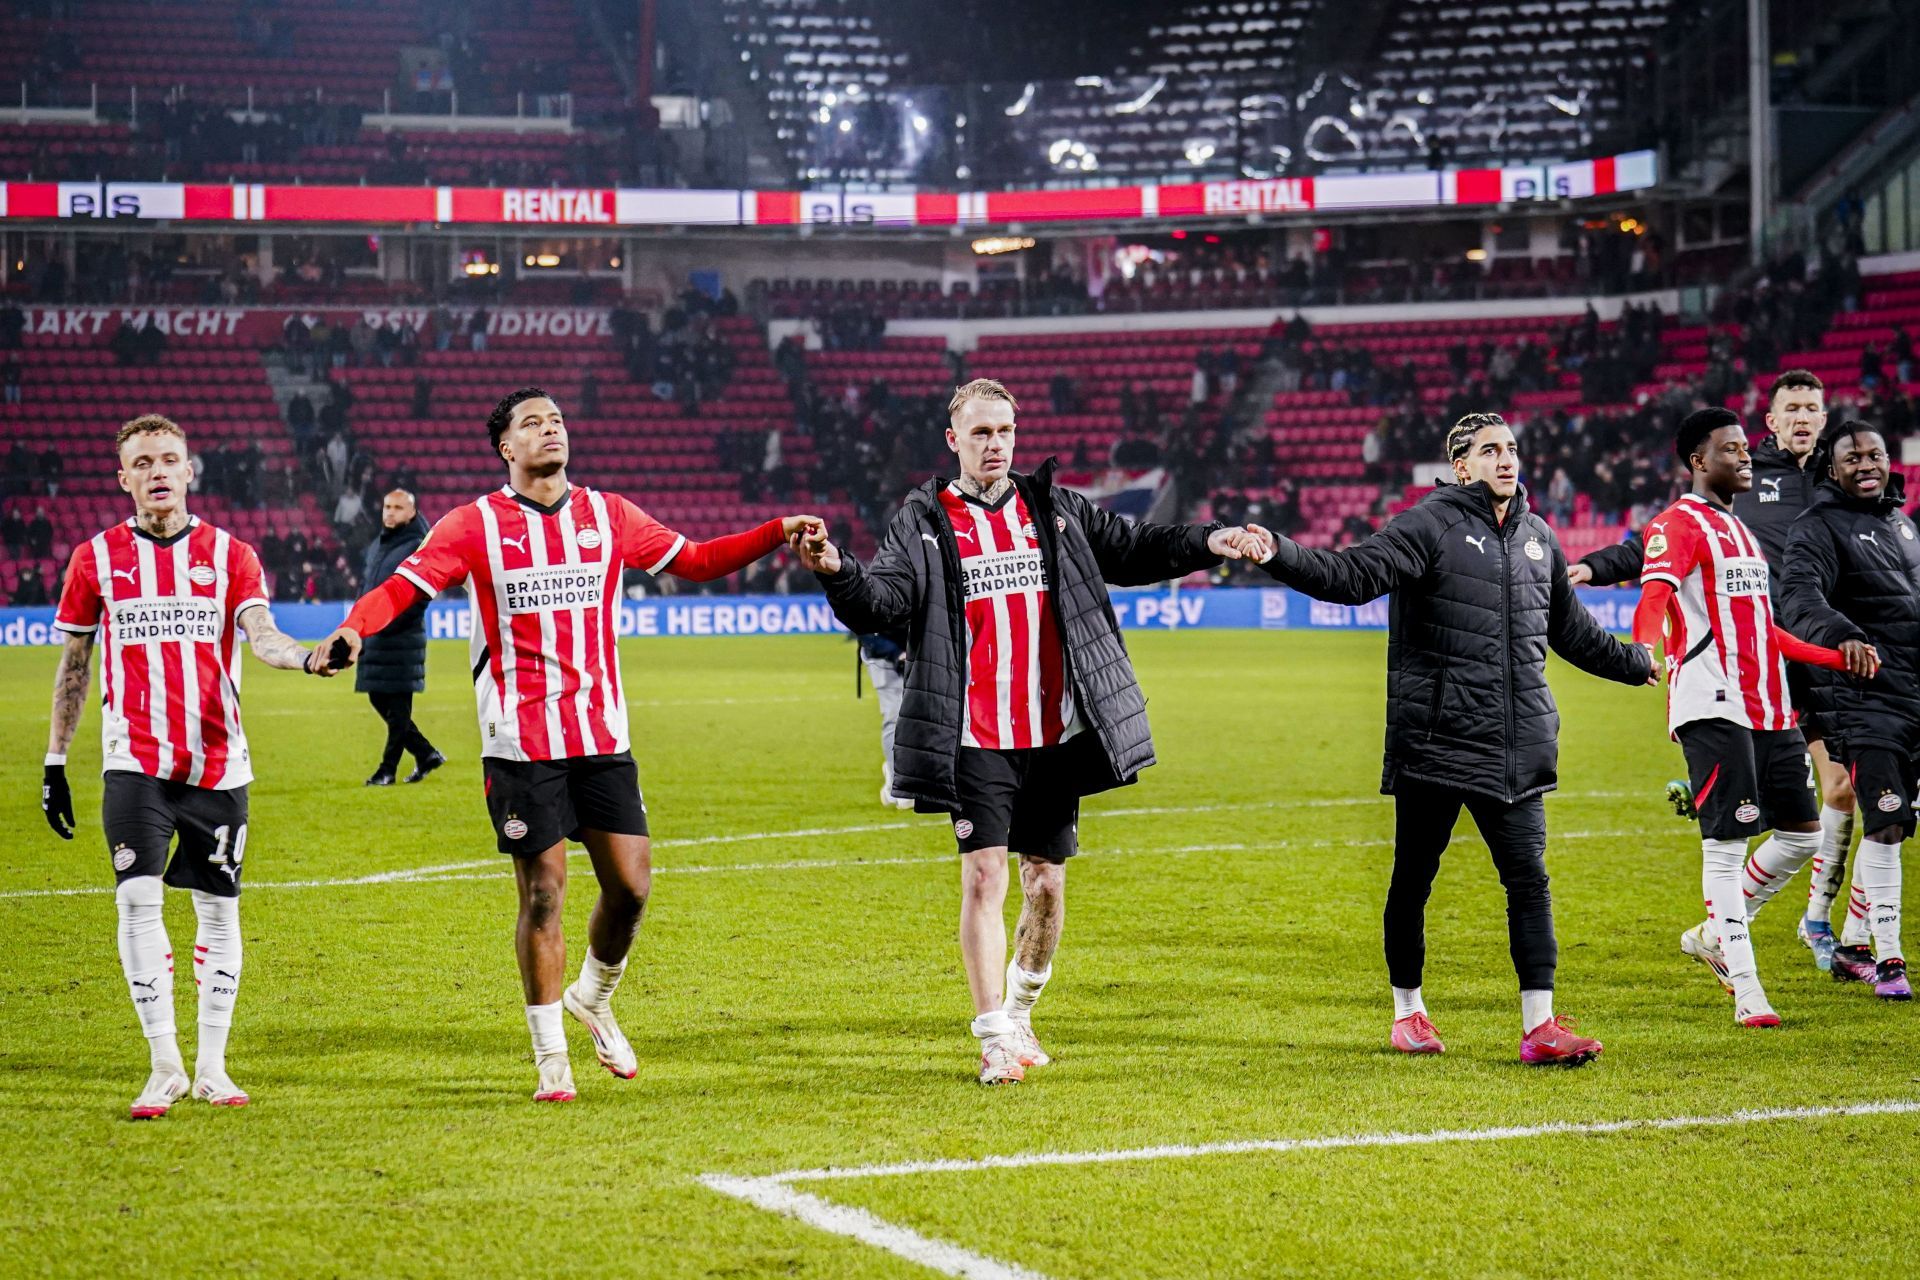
[[1721, 873], [1407, 1001], [549, 1034], [1775, 862], [1536, 1007], [1830, 864], [992, 1024], [147, 960], [1854, 933], [1879, 871], [1023, 988], [216, 972], [598, 980]]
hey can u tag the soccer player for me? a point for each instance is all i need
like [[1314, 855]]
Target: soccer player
[[166, 595], [542, 560], [1853, 574], [1019, 696], [1706, 586], [1783, 485], [1479, 594]]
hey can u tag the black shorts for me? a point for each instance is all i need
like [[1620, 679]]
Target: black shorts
[[1800, 694], [1027, 800], [536, 804], [1746, 781], [1883, 790], [140, 817]]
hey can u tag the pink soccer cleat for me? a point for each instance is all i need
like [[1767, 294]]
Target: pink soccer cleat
[[1890, 980], [1414, 1034], [1554, 1043], [1854, 964]]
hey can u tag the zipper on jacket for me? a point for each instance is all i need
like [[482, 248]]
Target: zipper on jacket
[[1506, 650], [1048, 533]]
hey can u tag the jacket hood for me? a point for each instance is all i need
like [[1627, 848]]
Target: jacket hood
[[1828, 493], [1478, 498]]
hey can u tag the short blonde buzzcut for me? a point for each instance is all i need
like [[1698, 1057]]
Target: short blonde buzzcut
[[980, 389], [148, 424]]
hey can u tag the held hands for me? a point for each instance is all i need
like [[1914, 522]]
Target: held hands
[[1251, 543], [1653, 662], [335, 654], [809, 542], [1863, 660]]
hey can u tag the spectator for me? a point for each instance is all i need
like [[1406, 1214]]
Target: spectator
[[53, 467], [589, 395], [13, 323], [40, 535], [361, 340], [422, 396], [443, 327], [477, 329], [10, 376], [300, 422], [13, 531], [29, 588]]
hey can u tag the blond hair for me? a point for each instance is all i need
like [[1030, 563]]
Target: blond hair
[[148, 424], [980, 389]]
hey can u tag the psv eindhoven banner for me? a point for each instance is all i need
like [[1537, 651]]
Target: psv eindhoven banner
[[607, 208], [263, 326]]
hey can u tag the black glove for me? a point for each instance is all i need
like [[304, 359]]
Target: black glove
[[56, 801]]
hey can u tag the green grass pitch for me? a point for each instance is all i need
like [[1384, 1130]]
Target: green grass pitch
[[796, 1001]]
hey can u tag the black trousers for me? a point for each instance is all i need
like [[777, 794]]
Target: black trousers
[[1423, 818], [402, 734]]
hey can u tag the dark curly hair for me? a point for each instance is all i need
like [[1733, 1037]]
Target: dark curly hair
[[1460, 435], [502, 416]]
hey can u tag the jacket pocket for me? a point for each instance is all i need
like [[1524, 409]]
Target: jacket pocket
[[1434, 701]]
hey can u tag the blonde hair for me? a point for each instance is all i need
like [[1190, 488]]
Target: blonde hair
[[148, 424], [980, 389]]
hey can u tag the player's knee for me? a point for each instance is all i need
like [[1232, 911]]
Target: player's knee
[[140, 894], [1839, 792], [540, 904], [984, 875]]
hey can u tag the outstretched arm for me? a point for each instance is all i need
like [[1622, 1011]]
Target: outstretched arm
[[1610, 566], [1138, 554], [1574, 635], [871, 597], [275, 647], [718, 557], [1365, 571], [371, 613]]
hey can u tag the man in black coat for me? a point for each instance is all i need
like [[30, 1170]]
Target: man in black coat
[[1479, 593], [1853, 573], [1783, 485], [1019, 696], [393, 662]]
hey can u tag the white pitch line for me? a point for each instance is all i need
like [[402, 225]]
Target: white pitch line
[[775, 1193], [452, 872]]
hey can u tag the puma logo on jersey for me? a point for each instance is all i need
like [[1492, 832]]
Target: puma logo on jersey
[[1479, 544], [131, 575], [927, 537], [965, 535], [1727, 537], [1871, 536], [519, 544]]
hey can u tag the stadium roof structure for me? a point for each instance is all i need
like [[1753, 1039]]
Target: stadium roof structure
[[1232, 200]]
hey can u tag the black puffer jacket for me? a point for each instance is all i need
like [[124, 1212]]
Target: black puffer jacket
[[1475, 606], [914, 582], [394, 659], [1782, 488], [1853, 573]]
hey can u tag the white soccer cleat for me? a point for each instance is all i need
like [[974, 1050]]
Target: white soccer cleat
[[611, 1047], [891, 800], [556, 1079], [1700, 943], [216, 1088], [166, 1086], [1754, 1011], [1026, 1045], [999, 1064]]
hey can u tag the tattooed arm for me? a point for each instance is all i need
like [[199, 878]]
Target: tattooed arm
[[70, 682], [273, 646]]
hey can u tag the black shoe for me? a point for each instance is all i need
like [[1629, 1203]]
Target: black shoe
[[426, 767], [381, 778]]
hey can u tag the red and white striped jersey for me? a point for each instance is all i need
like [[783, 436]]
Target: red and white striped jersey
[[1731, 665], [1017, 687], [166, 612], [545, 586]]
